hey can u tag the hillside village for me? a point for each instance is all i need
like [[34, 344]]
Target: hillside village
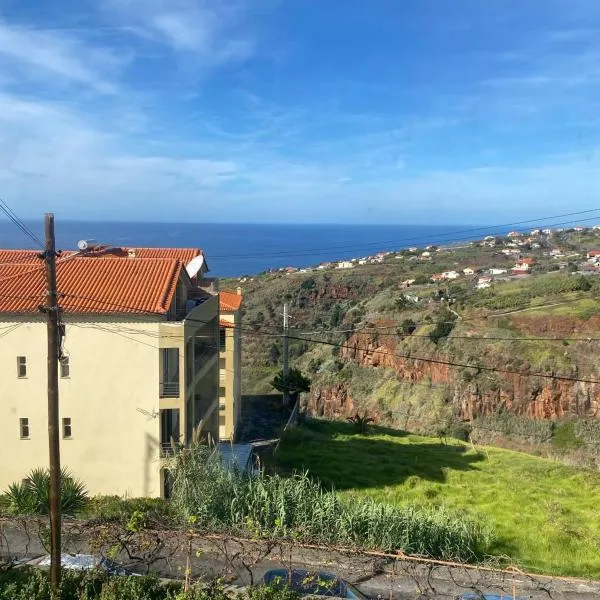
[[174, 354], [456, 347], [522, 247]]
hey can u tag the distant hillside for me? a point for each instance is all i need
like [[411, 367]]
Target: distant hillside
[[375, 328]]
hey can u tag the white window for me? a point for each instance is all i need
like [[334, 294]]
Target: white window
[[24, 428], [65, 367], [21, 366], [66, 422]]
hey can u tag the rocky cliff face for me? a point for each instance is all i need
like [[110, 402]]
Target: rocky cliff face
[[533, 397]]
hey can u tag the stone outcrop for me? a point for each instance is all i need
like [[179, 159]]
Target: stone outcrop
[[533, 397]]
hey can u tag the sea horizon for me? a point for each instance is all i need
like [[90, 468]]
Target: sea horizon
[[239, 249]]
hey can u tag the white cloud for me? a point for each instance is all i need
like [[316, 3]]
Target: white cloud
[[51, 54], [211, 31]]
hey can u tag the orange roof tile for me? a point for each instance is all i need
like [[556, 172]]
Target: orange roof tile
[[224, 323], [19, 256], [185, 255], [229, 301], [87, 285]]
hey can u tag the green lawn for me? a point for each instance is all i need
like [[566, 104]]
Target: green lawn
[[546, 516]]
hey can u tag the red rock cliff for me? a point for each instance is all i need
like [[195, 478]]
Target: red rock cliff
[[535, 397]]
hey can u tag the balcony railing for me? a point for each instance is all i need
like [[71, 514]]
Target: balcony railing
[[167, 450], [169, 389]]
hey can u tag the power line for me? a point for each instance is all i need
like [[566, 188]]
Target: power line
[[433, 241], [433, 360], [453, 363], [459, 337], [417, 239], [6, 209], [278, 334]]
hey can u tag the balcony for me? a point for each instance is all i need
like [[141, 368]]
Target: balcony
[[167, 450], [169, 389]]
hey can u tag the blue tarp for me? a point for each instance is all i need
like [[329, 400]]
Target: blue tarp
[[236, 456]]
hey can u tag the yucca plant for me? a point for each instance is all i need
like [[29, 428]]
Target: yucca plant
[[32, 496], [361, 422]]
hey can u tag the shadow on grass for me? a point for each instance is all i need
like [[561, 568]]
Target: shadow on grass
[[334, 454]]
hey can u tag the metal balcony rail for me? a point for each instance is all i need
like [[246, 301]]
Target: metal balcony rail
[[169, 389], [168, 450]]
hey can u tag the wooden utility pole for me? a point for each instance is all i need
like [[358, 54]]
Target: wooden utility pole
[[286, 361], [52, 314]]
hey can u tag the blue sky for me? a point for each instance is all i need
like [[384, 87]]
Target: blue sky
[[350, 111]]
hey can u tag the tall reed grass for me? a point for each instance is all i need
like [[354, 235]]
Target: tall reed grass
[[299, 508]]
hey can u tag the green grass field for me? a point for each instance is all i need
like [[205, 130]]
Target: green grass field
[[546, 516]]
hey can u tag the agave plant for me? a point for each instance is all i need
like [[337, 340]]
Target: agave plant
[[361, 422], [32, 495]]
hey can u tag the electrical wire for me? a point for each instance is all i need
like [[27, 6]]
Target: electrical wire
[[419, 238], [434, 360], [449, 363], [5, 208]]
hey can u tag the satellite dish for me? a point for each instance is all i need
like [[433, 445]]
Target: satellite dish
[[87, 244]]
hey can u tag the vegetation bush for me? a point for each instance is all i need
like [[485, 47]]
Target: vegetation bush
[[361, 422], [115, 508], [521, 293], [588, 430], [421, 280], [32, 495], [34, 584], [506, 424], [407, 327], [444, 325], [564, 436], [299, 508]]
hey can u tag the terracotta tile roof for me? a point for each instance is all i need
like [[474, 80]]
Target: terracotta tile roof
[[92, 286], [229, 301], [185, 255], [224, 323], [19, 256]]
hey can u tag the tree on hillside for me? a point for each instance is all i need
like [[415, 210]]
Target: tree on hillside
[[293, 384], [422, 280], [274, 354], [407, 327], [336, 315]]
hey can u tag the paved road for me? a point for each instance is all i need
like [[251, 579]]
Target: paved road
[[394, 580]]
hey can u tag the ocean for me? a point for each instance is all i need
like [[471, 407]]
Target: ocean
[[245, 249]]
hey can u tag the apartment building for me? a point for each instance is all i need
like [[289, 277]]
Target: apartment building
[[139, 373], [230, 362]]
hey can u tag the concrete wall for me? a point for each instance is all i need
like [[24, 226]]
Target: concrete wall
[[111, 397], [230, 377]]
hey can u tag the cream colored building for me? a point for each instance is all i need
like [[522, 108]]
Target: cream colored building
[[140, 370], [230, 363]]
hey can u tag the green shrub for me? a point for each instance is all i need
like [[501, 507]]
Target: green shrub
[[506, 424], [299, 508], [444, 325], [564, 436], [32, 496], [521, 293], [121, 509]]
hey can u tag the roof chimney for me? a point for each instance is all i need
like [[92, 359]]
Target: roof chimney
[[239, 291], [131, 252]]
